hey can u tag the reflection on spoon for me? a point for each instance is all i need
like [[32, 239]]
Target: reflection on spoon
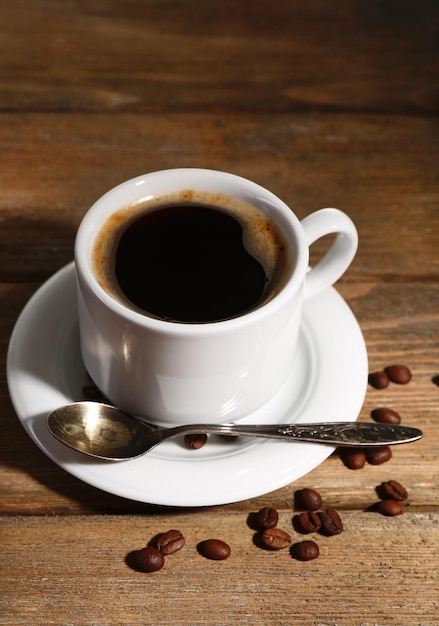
[[105, 432]]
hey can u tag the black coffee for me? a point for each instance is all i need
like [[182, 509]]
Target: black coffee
[[190, 262]]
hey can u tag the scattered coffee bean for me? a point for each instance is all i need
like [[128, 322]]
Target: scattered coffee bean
[[385, 415], [309, 522], [275, 539], [435, 380], [195, 442], [170, 542], [378, 455], [390, 507], [307, 499], [150, 559], [267, 517], [331, 522], [214, 549], [353, 458], [399, 374], [379, 380], [305, 550], [393, 490]]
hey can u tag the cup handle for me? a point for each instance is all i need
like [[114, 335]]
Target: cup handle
[[339, 256]]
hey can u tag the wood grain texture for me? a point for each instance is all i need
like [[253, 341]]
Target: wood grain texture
[[324, 103], [368, 574], [380, 170], [196, 56]]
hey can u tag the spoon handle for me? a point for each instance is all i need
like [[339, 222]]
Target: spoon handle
[[333, 433]]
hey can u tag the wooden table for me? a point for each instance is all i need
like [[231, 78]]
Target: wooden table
[[324, 103]]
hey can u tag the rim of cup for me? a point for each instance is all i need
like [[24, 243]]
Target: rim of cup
[[174, 180]]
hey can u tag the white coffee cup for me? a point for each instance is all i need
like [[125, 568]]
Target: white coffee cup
[[172, 373]]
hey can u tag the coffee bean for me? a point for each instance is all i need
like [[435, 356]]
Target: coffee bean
[[195, 442], [390, 507], [170, 542], [399, 374], [379, 380], [331, 522], [309, 522], [385, 415], [305, 550], [307, 499], [275, 539], [150, 559], [353, 458], [267, 517], [435, 380], [214, 549], [378, 455], [392, 490]]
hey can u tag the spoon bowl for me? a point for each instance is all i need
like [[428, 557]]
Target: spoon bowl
[[105, 432]]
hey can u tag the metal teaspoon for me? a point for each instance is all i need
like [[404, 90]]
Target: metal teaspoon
[[105, 432]]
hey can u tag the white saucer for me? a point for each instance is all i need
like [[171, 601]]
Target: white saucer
[[327, 383]]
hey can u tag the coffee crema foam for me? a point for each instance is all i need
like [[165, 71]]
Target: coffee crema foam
[[261, 237]]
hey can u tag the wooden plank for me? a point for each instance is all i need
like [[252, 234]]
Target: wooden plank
[[218, 56], [378, 571], [399, 322], [323, 103], [381, 170]]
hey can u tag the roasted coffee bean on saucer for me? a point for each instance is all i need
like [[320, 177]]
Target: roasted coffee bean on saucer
[[195, 442]]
